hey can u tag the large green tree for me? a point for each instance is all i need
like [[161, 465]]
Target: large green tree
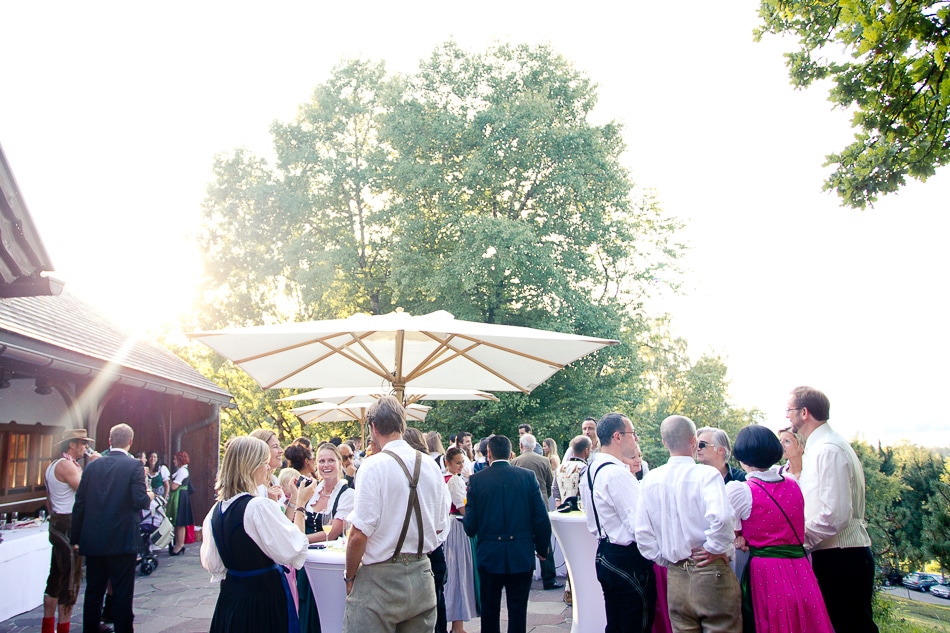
[[477, 186], [887, 61]]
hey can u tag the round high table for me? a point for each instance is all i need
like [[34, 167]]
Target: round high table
[[580, 549], [324, 569], [24, 565]]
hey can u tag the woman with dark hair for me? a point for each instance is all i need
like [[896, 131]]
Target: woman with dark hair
[[179, 503], [460, 604], [159, 479], [301, 459], [779, 590]]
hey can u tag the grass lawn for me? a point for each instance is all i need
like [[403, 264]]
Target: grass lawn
[[912, 616]]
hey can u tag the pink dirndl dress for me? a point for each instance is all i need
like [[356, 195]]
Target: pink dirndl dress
[[785, 594]]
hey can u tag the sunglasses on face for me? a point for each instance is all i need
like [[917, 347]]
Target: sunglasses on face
[[706, 444]]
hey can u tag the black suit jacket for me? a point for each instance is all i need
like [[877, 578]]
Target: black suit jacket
[[109, 503], [504, 509]]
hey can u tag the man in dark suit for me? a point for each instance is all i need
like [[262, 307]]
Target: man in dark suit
[[504, 509], [106, 518]]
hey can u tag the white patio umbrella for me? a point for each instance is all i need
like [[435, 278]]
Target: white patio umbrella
[[397, 349], [343, 395], [334, 412]]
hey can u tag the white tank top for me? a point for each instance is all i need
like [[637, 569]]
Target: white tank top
[[61, 495]]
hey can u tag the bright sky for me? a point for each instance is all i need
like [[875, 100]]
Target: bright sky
[[112, 113]]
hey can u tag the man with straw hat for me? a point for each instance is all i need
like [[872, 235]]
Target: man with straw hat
[[65, 574]]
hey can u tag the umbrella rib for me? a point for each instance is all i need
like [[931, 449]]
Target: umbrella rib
[[342, 351], [424, 367]]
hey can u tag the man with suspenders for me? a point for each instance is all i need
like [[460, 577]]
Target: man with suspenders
[[610, 494], [401, 507]]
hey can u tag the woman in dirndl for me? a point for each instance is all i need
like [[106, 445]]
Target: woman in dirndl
[[246, 543]]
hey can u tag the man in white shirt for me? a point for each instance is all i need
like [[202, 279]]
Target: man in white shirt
[[684, 522], [395, 526], [610, 493], [832, 482], [588, 428]]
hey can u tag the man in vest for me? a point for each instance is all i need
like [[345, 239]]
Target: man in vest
[[65, 573]]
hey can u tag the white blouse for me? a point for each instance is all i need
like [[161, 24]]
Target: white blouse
[[341, 490], [457, 490], [740, 495], [270, 530]]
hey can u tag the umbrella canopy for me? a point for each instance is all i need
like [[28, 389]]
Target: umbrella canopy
[[343, 395], [334, 412], [436, 350]]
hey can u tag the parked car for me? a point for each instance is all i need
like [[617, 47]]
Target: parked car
[[920, 581], [892, 578], [941, 591]]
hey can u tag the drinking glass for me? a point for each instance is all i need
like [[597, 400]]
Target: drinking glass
[[42, 515], [327, 524], [3, 520], [14, 517]]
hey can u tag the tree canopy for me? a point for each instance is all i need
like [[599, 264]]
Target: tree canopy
[[887, 61], [476, 185]]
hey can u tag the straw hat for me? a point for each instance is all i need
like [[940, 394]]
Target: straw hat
[[76, 434]]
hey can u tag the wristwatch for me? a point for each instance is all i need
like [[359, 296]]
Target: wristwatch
[[345, 579]]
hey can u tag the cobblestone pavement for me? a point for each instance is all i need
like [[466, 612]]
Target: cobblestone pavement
[[179, 598]]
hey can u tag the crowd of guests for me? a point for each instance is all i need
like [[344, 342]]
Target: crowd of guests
[[96, 514], [435, 534]]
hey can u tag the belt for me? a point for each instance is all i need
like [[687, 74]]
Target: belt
[[686, 563], [403, 558]]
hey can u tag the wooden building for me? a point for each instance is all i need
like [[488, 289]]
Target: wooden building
[[64, 366]]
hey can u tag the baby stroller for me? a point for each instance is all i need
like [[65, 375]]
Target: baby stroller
[[156, 530]]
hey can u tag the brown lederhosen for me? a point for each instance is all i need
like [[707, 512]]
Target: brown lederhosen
[[65, 569]]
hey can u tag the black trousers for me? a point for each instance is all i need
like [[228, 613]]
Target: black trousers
[[517, 587], [629, 586], [846, 579], [100, 571], [548, 569], [440, 572]]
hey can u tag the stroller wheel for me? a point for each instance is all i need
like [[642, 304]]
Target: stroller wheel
[[147, 568]]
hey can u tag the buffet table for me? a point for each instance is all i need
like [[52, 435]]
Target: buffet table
[[24, 566], [580, 549], [324, 569]]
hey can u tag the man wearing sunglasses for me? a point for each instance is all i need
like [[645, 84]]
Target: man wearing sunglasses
[[714, 449]]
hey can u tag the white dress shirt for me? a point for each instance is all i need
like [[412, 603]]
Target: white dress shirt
[[683, 505], [832, 483], [615, 496], [382, 496], [281, 540]]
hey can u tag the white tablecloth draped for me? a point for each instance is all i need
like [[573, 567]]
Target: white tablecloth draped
[[324, 569], [24, 566], [580, 549]]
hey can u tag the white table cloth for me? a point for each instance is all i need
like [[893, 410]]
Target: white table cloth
[[24, 567], [580, 548], [324, 569]]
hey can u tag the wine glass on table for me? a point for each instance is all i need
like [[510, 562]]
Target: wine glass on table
[[3, 520], [327, 525], [14, 517]]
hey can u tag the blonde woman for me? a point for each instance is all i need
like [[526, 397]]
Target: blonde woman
[[247, 540], [550, 451], [335, 498], [270, 488], [793, 448]]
